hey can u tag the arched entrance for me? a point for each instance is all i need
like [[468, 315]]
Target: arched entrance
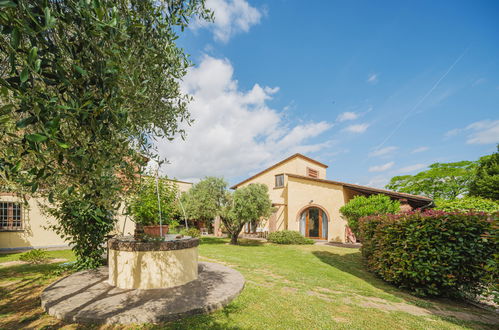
[[314, 223]]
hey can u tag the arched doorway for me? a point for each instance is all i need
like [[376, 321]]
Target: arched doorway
[[314, 223]]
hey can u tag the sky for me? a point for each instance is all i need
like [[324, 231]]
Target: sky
[[374, 89]]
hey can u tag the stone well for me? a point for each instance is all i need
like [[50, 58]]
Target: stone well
[[152, 265]]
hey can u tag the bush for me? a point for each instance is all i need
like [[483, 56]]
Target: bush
[[144, 206], [467, 204], [361, 206], [193, 232], [35, 256], [288, 237], [432, 253]]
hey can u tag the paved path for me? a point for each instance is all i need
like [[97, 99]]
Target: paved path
[[86, 297]]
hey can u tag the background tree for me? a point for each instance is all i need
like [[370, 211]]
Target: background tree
[[361, 206], [206, 199], [249, 203], [441, 180], [485, 182], [467, 204], [84, 87]]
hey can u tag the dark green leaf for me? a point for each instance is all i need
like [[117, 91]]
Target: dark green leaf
[[14, 38], [80, 70], [26, 121], [24, 74], [33, 54], [36, 137], [7, 4]]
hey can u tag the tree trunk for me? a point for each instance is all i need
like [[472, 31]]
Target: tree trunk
[[233, 238]]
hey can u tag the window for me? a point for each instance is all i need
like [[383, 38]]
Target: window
[[279, 181], [312, 173], [10, 216]]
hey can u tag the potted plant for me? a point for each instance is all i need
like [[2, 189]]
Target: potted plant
[[147, 209]]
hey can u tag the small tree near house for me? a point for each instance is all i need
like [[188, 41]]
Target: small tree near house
[[249, 204], [210, 198], [206, 200]]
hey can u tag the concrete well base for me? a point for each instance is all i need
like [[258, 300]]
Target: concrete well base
[[87, 297]]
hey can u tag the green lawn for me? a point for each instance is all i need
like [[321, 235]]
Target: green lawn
[[287, 287]]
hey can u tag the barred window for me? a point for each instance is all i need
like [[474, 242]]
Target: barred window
[[10, 216]]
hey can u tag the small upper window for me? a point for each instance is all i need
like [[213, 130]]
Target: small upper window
[[10, 216], [279, 180], [312, 173]]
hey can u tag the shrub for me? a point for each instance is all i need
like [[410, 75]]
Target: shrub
[[467, 204], [193, 232], [35, 256], [288, 237], [432, 253], [144, 206], [361, 206]]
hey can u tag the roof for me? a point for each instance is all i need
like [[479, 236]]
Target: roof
[[163, 178], [365, 189], [278, 164]]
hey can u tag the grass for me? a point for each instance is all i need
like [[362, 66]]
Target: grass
[[287, 287]]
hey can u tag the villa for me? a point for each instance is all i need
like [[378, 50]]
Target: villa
[[307, 202]]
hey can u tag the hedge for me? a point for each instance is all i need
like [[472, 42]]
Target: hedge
[[434, 253], [288, 237]]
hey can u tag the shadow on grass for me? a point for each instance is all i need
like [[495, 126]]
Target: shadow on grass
[[204, 321], [225, 241], [353, 264], [20, 301]]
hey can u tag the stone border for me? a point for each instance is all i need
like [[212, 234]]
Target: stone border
[[133, 246], [87, 297]]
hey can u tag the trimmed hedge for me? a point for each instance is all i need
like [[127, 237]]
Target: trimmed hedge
[[433, 253], [288, 237]]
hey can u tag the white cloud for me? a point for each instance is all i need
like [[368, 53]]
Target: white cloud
[[358, 128], [347, 116], [383, 151], [231, 17], [480, 132], [381, 168], [411, 168], [419, 149], [372, 78], [483, 132], [234, 131]]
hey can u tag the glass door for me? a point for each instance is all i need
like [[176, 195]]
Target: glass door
[[314, 222]]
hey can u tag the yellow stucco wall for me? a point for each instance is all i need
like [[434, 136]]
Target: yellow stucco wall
[[304, 193], [152, 269], [35, 232], [182, 186]]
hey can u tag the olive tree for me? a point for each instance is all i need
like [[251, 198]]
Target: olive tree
[[85, 86], [210, 198], [249, 203]]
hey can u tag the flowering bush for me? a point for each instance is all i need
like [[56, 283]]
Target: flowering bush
[[434, 252]]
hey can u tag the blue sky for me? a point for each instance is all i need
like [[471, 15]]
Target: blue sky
[[373, 89]]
